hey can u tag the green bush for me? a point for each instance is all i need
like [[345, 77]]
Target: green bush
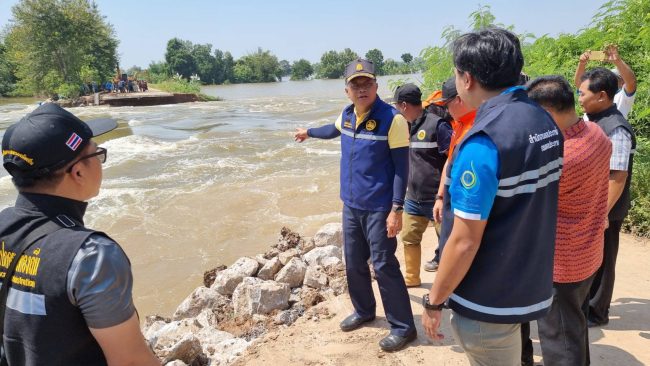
[[638, 220], [178, 85], [68, 91], [625, 23]]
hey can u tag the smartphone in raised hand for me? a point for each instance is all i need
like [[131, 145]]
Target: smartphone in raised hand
[[597, 56]]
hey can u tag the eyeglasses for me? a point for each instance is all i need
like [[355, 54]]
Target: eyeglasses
[[101, 154], [364, 86], [448, 101]]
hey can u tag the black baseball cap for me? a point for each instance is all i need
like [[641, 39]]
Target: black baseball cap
[[359, 67], [47, 139], [448, 91], [408, 93]]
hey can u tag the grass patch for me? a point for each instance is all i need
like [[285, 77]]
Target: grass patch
[[178, 86], [208, 98], [638, 219]]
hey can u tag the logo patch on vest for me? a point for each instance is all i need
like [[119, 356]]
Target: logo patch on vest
[[468, 179], [422, 134], [347, 124], [371, 125]]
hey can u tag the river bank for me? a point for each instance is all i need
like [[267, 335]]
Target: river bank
[[624, 342], [243, 302], [312, 336]]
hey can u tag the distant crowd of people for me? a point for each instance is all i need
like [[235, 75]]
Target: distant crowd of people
[[130, 85]]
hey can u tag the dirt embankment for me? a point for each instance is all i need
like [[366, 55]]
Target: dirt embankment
[[318, 341]]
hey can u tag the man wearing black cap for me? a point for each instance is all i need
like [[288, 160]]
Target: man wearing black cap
[[374, 169], [69, 300], [496, 267], [429, 140]]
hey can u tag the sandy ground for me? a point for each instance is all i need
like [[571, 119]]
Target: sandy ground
[[625, 341]]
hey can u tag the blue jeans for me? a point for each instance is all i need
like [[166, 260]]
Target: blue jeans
[[419, 208]]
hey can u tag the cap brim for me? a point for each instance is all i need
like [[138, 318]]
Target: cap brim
[[101, 126], [441, 101], [366, 74]]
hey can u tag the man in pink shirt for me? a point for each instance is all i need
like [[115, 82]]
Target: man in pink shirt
[[581, 220]]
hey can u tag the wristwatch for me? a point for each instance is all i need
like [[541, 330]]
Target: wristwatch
[[439, 197], [398, 209], [427, 305]]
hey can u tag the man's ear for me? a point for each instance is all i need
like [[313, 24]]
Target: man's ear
[[603, 96], [469, 80], [77, 173]]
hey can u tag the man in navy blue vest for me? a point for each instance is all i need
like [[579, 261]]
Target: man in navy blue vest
[[596, 96], [69, 303], [430, 135], [374, 172], [499, 207]]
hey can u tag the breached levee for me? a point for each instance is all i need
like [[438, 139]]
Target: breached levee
[[240, 303]]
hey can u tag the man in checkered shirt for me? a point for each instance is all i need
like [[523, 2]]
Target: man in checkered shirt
[[596, 96]]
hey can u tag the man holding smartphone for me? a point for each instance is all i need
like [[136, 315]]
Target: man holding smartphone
[[624, 98]]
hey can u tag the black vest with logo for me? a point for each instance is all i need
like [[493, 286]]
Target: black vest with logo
[[425, 161], [42, 326], [511, 278], [608, 120]]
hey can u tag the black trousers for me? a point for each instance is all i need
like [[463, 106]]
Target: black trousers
[[563, 332], [365, 237], [602, 287], [526, 345]]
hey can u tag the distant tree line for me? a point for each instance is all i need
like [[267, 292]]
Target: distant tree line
[[184, 58], [54, 47]]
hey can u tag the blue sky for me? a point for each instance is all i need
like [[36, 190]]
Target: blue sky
[[293, 29]]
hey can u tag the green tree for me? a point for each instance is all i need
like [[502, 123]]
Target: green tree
[[625, 23], [301, 70], [286, 67], [157, 72], [407, 58], [332, 63], [179, 57], [330, 66], [206, 65], [346, 56], [219, 62], [7, 79], [258, 67], [377, 59], [228, 68], [51, 41], [243, 73], [391, 67]]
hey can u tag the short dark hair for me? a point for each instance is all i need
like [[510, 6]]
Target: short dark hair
[[601, 79], [553, 92], [47, 181], [50, 180], [492, 56]]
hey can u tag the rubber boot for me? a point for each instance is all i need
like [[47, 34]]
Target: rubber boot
[[412, 258], [412, 229]]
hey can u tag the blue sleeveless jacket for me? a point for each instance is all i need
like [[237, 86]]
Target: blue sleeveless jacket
[[367, 169], [511, 278]]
